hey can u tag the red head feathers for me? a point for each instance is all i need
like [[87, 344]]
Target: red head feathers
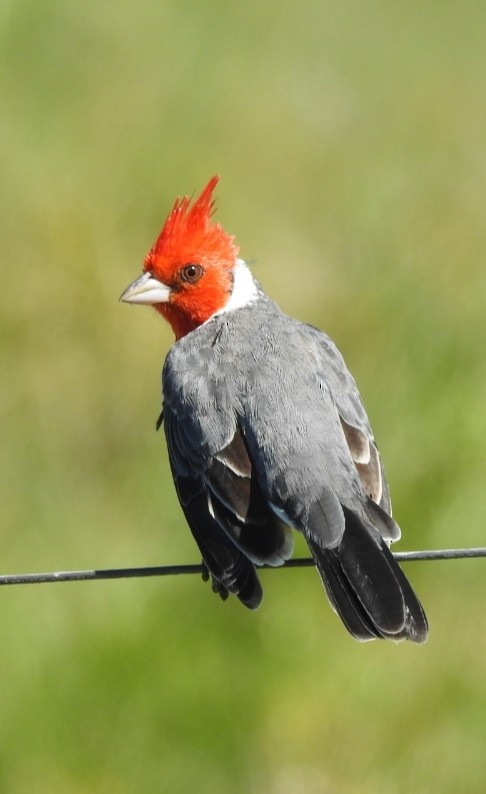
[[189, 235]]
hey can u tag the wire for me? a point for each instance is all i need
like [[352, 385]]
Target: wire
[[178, 570]]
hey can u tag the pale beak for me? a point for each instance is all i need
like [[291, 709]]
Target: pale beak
[[146, 289]]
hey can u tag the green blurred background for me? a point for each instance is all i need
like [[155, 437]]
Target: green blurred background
[[350, 140]]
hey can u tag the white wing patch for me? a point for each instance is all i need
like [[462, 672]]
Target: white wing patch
[[366, 459]]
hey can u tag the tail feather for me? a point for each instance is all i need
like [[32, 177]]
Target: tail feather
[[416, 627], [366, 586], [348, 608]]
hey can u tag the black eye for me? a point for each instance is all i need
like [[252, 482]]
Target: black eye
[[191, 273]]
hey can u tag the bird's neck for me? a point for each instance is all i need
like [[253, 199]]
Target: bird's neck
[[245, 289]]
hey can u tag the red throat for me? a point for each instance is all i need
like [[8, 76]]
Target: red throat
[[190, 237]]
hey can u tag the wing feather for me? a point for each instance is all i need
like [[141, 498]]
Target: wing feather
[[226, 511]]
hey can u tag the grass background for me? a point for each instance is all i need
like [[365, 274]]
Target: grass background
[[350, 138]]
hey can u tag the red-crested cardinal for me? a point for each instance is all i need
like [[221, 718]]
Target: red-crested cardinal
[[266, 432]]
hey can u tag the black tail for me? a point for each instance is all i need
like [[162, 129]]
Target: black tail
[[367, 587]]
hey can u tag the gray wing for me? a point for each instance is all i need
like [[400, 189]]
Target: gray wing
[[363, 581], [357, 430], [222, 500]]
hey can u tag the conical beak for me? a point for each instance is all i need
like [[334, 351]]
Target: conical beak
[[146, 290]]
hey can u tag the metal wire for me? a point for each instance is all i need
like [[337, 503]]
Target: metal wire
[[177, 570]]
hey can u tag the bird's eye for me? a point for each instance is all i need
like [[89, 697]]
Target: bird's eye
[[191, 273]]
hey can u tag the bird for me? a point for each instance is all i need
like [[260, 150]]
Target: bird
[[267, 434]]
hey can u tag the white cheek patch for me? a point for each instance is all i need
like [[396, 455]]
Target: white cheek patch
[[245, 289]]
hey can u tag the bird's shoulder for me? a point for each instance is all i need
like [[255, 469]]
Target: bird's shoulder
[[333, 370]]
